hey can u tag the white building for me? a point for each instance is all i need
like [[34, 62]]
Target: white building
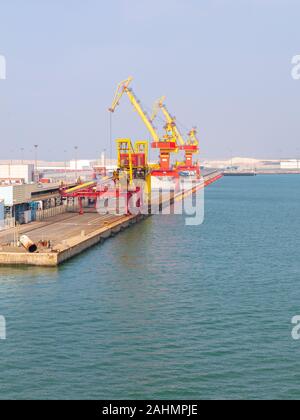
[[16, 173], [290, 164], [81, 165]]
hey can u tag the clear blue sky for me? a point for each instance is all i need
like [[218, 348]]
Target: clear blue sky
[[224, 65]]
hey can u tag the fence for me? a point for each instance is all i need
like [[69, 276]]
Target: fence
[[9, 222], [54, 211]]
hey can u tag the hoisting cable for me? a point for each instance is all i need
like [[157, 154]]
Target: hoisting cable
[[110, 135]]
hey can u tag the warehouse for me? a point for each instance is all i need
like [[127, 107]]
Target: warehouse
[[16, 174], [20, 203]]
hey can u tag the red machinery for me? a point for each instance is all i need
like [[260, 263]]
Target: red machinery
[[189, 165], [191, 147], [112, 190], [165, 169], [165, 148]]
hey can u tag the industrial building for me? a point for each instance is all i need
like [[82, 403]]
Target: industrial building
[[16, 174], [291, 164], [20, 203]]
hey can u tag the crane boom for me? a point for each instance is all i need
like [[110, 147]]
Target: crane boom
[[171, 121], [193, 137], [156, 108], [122, 88]]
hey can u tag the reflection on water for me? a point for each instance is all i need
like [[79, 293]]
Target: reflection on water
[[28, 274], [164, 310]]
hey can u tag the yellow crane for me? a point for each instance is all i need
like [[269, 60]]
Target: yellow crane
[[190, 147], [166, 145]]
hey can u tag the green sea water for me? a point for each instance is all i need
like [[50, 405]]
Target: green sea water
[[166, 311]]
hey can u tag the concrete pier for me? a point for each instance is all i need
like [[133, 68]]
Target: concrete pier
[[69, 234]]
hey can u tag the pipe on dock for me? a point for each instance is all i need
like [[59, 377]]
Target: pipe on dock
[[27, 243]]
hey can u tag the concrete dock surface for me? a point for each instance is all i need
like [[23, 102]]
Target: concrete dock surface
[[69, 235], [57, 229]]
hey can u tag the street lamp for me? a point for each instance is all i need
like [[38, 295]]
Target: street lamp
[[104, 151], [65, 158], [36, 162], [76, 162]]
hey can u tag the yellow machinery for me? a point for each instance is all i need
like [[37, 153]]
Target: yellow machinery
[[134, 160], [81, 187]]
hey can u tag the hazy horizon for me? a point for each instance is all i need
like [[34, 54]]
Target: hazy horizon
[[224, 65]]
